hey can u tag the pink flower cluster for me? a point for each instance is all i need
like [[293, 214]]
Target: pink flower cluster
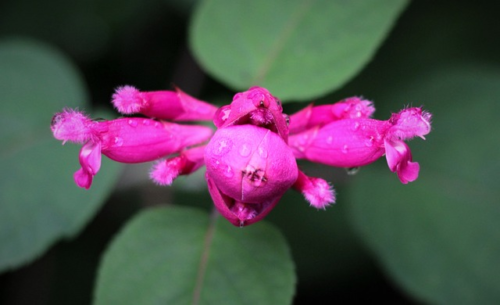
[[251, 158]]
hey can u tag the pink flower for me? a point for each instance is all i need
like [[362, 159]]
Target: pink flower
[[251, 158], [249, 164], [127, 140], [358, 142], [249, 168], [167, 105]]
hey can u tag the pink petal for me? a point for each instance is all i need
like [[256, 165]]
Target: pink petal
[[238, 213], [90, 160], [90, 157], [255, 106], [399, 159], [83, 179]]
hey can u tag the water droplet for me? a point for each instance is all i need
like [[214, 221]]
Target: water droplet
[[369, 142], [352, 170], [225, 114], [157, 124], [215, 163], [262, 152], [329, 140], [355, 126], [222, 146], [345, 149], [132, 123], [56, 119], [244, 150], [287, 119], [228, 171], [118, 141], [146, 122]]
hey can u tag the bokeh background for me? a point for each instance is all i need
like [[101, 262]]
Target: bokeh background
[[434, 241]]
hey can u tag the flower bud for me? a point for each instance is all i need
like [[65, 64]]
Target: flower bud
[[166, 104], [249, 168], [127, 140], [358, 142], [164, 172], [311, 116], [255, 106]]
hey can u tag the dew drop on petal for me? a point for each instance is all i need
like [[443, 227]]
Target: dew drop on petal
[[118, 141], [287, 119], [262, 152], [352, 170], [215, 163], [369, 142], [355, 126], [345, 149], [222, 146], [132, 123], [146, 122], [329, 140], [244, 150], [228, 171]]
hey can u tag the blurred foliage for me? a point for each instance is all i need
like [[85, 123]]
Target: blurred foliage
[[157, 261], [430, 241], [38, 201], [438, 236], [296, 49]]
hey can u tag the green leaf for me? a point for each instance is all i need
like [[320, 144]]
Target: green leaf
[[39, 201], [438, 236], [174, 255], [297, 49]]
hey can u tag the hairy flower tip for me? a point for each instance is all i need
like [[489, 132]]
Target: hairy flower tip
[[71, 125], [244, 212], [317, 191], [164, 172], [411, 122], [357, 108], [261, 117], [127, 99]]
